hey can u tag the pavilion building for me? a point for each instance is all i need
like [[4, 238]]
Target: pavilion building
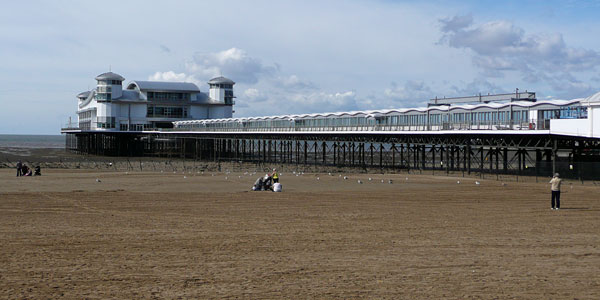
[[150, 105]]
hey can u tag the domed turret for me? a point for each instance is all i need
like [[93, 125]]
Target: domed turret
[[221, 90], [110, 86]]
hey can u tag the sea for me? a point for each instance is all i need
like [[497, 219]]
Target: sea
[[31, 141]]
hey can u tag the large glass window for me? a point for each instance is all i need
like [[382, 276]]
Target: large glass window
[[167, 111], [168, 96]]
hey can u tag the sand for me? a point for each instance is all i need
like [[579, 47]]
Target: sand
[[165, 235]]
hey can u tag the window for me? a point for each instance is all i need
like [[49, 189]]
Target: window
[[167, 111], [166, 96]]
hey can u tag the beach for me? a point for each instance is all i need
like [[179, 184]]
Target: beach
[[123, 233]]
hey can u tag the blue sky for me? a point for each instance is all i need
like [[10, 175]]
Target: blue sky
[[294, 56]]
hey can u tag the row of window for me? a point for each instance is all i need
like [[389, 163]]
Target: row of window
[[168, 96], [103, 96], [167, 111], [222, 85], [135, 127], [422, 119], [87, 114], [109, 82], [104, 89], [576, 112]]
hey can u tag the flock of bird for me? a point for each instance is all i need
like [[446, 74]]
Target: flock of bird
[[297, 174]]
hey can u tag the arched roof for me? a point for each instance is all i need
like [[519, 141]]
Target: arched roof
[[593, 98], [83, 94], [221, 80], [110, 76], [163, 86]]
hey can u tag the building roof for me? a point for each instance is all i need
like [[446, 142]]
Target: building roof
[[163, 86], [221, 80], [110, 76], [129, 95], [386, 112]]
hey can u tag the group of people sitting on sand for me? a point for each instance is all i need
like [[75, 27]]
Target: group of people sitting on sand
[[24, 170], [266, 183]]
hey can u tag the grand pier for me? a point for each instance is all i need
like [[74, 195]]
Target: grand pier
[[499, 134]]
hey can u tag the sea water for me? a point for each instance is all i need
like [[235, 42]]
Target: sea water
[[31, 141]]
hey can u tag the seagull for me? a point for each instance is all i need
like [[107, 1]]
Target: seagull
[[458, 182], [329, 173], [390, 181], [345, 177], [98, 180], [184, 177], [317, 178], [406, 178], [381, 180], [359, 182], [477, 183], [370, 179], [503, 184]]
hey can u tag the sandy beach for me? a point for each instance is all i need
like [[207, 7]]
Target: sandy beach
[[101, 234]]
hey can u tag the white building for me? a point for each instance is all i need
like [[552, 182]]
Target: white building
[[147, 105]]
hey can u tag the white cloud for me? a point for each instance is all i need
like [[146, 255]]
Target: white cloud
[[499, 47], [234, 63], [412, 93], [174, 77]]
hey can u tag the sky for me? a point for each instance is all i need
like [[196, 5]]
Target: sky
[[290, 57]]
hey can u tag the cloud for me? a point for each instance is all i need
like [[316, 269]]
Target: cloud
[[278, 102], [165, 49], [412, 93], [233, 63], [476, 87], [499, 47], [173, 77]]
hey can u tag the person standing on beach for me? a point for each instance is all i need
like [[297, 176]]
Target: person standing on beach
[[555, 191], [19, 166], [275, 176]]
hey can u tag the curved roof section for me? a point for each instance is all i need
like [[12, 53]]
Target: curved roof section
[[83, 94], [163, 86], [593, 98], [220, 80], [110, 76]]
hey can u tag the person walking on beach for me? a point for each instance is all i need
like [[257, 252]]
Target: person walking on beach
[[19, 166], [555, 191], [275, 176]]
